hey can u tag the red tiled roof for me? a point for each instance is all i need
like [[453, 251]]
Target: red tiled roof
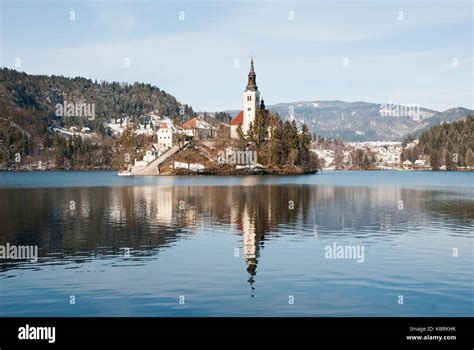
[[164, 126], [239, 119], [190, 124]]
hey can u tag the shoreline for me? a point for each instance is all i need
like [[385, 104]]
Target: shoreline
[[239, 172], [242, 172]]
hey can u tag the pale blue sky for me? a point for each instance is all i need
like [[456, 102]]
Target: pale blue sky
[[406, 61]]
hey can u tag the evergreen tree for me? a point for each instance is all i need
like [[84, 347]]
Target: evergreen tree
[[251, 133], [260, 127], [240, 133], [448, 160], [305, 142], [434, 159], [276, 147], [293, 135]]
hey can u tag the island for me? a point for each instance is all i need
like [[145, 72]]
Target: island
[[256, 141]]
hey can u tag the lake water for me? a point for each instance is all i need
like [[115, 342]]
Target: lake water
[[239, 246]]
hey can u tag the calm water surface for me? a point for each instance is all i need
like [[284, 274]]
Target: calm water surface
[[238, 246]]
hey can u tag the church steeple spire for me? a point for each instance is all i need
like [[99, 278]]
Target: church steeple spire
[[252, 81]]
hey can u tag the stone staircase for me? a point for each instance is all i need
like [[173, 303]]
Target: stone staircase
[[153, 168]]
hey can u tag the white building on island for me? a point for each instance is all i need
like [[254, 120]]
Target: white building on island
[[165, 136], [251, 103]]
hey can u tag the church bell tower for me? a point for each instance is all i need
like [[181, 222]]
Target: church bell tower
[[251, 99]]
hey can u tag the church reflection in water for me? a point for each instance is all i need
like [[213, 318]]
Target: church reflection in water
[[251, 243], [151, 218]]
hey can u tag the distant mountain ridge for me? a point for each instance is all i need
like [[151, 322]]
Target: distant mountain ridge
[[364, 121], [448, 116]]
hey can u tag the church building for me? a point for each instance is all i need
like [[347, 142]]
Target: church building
[[251, 103]]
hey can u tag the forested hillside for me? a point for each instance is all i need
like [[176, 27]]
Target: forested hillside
[[449, 144], [28, 112]]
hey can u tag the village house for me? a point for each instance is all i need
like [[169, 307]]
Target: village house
[[198, 129], [407, 164], [152, 151], [165, 136], [420, 163]]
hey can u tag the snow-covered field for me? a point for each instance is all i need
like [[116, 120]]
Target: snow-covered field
[[327, 156], [387, 154]]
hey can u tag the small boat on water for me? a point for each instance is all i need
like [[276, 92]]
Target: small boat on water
[[127, 172]]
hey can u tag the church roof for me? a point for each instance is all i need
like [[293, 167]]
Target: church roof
[[252, 81], [239, 119], [195, 123], [190, 124], [151, 147]]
